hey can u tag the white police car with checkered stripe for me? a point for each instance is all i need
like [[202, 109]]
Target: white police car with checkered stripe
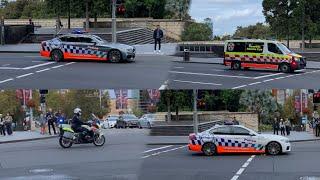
[[237, 139]]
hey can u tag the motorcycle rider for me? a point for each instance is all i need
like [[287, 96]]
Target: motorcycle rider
[[77, 125]]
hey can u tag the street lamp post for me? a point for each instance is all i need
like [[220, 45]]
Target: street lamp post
[[114, 22], [195, 111], [2, 30]]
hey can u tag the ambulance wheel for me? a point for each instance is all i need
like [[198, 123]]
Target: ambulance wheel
[[56, 55], [209, 149], [284, 67], [273, 148], [115, 56], [236, 65]]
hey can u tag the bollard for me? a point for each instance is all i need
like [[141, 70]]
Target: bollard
[[186, 55]]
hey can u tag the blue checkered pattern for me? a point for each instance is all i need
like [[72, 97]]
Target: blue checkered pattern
[[233, 143], [80, 50]]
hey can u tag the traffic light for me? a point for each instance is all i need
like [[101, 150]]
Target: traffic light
[[43, 91], [42, 99], [316, 97]]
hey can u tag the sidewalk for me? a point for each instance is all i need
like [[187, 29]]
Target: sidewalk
[[310, 64], [183, 140], [20, 136], [145, 49]]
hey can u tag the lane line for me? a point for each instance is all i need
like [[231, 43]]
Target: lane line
[[239, 87], [155, 149], [268, 80], [5, 65], [270, 75], [7, 80], [161, 152], [255, 83], [243, 168], [194, 82], [55, 67], [70, 63], [9, 68], [38, 65], [47, 69], [205, 74], [24, 75], [178, 67]]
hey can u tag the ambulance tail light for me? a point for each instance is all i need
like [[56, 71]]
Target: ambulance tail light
[[192, 136]]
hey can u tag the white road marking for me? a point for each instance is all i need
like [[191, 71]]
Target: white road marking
[[205, 74], [243, 168], [7, 80], [24, 75], [5, 65], [32, 56], [55, 67], [9, 68], [178, 67], [161, 152], [268, 80], [269, 75], [255, 83], [193, 82], [42, 70], [155, 149], [239, 87], [70, 63], [38, 65]]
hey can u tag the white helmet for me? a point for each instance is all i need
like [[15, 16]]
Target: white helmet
[[77, 111]]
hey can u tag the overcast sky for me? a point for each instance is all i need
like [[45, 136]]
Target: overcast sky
[[227, 14]]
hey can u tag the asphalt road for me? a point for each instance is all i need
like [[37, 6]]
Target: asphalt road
[[176, 162], [119, 158], [149, 71], [32, 71]]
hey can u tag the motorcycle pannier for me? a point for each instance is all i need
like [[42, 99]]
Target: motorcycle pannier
[[68, 135]]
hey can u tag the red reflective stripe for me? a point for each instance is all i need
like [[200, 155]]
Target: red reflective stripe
[[226, 149], [262, 66], [196, 148], [45, 53]]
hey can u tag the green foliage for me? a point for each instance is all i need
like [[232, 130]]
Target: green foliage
[[9, 103], [197, 32], [265, 128], [258, 31], [259, 101], [137, 112]]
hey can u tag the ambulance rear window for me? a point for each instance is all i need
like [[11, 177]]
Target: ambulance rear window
[[236, 47]]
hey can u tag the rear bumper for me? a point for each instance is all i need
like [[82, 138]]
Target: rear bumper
[[45, 54], [195, 148]]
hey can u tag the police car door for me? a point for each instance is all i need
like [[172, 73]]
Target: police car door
[[244, 140], [223, 138]]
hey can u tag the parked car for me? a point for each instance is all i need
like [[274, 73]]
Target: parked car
[[121, 123], [147, 121], [131, 120], [110, 122]]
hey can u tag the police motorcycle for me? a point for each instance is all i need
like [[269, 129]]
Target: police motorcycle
[[68, 136]]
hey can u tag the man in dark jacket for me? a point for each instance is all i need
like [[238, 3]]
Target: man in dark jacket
[[51, 121], [157, 36], [276, 126], [76, 124]]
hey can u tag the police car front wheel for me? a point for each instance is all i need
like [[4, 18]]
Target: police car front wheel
[[273, 148], [114, 56], [209, 149], [56, 55]]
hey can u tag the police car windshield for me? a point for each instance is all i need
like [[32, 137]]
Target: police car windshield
[[98, 38], [284, 48]]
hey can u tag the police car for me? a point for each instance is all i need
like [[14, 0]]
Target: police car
[[237, 139], [81, 46]]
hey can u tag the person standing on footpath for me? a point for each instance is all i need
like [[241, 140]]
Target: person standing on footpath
[[2, 127], [157, 36], [51, 121], [8, 123], [276, 126], [287, 123], [282, 128], [317, 127]]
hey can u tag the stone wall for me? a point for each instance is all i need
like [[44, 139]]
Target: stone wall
[[247, 119], [172, 27]]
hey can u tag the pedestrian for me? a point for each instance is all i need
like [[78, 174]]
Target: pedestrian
[[287, 124], [282, 127], [157, 36], [51, 121], [43, 122], [235, 121], [2, 127], [8, 123], [276, 126], [31, 22], [318, 127]]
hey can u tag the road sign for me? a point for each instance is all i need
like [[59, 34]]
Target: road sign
[[304, 120]]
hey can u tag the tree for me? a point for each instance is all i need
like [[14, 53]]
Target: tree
[[197, 32], [289, 110], [259, 101], [258, 31], [231, 99], [178, 9]]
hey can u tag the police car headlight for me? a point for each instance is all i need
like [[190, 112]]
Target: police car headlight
[[130, 50]]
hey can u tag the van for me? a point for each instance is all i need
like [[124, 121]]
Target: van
[[261, 54]]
